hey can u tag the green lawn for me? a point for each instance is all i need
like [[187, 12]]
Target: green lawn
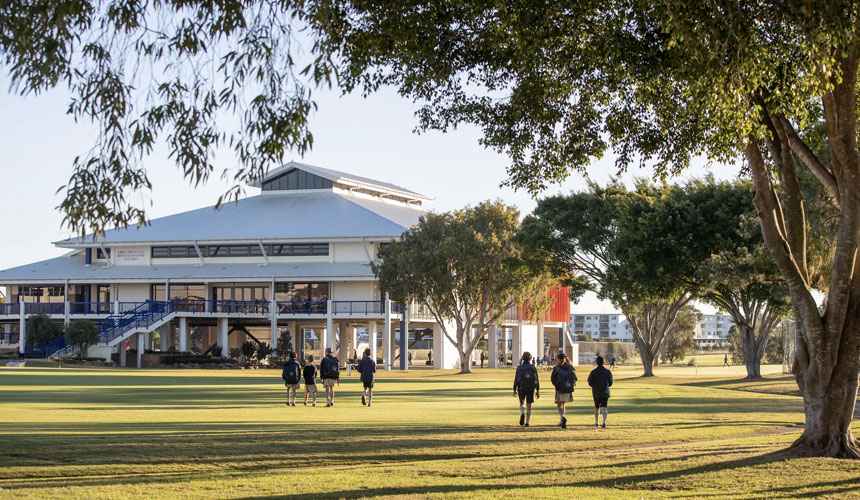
[[111, 433]]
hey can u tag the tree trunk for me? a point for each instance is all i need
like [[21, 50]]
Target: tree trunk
[[828, 423], [465, 360], [647, 362], [752, 357]]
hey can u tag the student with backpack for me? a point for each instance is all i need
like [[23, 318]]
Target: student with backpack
[[526, 387], [366, 368], [600, 380], [292, 376], [310, 376], [330, 372], [563, 378]]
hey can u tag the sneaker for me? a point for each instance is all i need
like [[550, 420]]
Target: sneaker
[[522, 419], [363, 401], [332, 403], [603, 425], [294, 404], [596, 425], [288, 403], [526, 424], [313, 404], [306, 403], [368, 405], [563, 423], [327, 405]]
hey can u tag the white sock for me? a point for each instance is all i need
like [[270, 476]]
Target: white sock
[[528, 416], [364, 393], [522, 410], [605, 414]]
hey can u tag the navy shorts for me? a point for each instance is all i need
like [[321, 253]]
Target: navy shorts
[[368, 385], [600, 402], [527, 396]]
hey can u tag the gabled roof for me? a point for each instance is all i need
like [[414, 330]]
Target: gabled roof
[[345, 179], [295, 216]]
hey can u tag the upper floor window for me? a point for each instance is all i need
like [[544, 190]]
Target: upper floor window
[[252, 250]]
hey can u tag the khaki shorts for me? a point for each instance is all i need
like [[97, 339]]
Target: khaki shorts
[[329, 382], [563, 397], [294, 387], [311, 389]]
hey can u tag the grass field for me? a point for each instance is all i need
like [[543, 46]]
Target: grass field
[[113, 433]]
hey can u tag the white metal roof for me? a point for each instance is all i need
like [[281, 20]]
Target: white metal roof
[[294, 215], [71, 267]]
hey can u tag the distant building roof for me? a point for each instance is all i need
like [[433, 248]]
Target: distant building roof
[[71, 267], [294, 215]]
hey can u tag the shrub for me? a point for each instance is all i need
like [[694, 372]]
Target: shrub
[[263, 351], [179, 358], [248, 350], [235, 353], [81, 333], [41, 330]]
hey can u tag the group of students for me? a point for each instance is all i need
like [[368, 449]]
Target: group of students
[[329, 371], [563, 378], [526, 383]]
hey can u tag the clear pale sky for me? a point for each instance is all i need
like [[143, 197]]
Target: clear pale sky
[[368, 137]]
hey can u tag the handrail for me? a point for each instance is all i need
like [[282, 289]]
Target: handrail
[[45, 308], [79, 308], [10, 308], [141, 316]]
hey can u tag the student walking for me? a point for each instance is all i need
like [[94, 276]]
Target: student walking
[[600, 380], [330, 372], [310, 376], [563, 378], [726, 360], [292, 376], [526, 387], [482, 358], [612, 362], [366, 368]]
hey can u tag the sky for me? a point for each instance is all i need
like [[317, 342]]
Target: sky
[[370, 137]]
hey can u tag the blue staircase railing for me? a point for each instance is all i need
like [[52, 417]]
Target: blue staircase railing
[[142, 315]]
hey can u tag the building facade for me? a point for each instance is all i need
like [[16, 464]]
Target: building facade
[[601, 326], [713, 330], [292, 261]]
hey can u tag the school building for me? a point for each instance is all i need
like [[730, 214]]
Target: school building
[[293, 260]]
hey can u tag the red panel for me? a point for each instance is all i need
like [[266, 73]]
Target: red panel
[[559, 311]]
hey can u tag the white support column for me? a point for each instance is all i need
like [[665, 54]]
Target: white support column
[[493, 346], [22, 327], [122, 354], [438, 347], [223, 331], [343, 343], [164, 343], [540, 343], [386, 335], [329, 329], [140, 348], [273, 315], [506, 335], [67, 311], [371, 339], [296, 336], [404, 340], [517, 344], [183, 334]]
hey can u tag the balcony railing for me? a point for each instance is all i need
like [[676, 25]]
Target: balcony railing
[[90, 308], [45, 308], [364, 307], [301, 307], [10, 309]]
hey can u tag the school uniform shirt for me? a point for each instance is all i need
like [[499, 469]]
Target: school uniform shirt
[[600, 379], [366, 367], [310, 375]]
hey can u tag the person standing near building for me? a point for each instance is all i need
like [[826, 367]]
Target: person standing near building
[[366, 368], [526, 387], [563, 378], [726, 359], [482, 358], [292, 375], [330, 373], [310, 376], [612, 362], [600, 380]]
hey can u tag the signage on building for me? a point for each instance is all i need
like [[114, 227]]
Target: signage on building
[[131, 256]]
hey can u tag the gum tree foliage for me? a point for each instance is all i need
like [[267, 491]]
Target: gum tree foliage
[[681, 337], [639, 249], [81, 333], [556, 84], [465, 267], [193, 75]]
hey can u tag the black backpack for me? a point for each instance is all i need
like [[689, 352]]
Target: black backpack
[[566, 380], [291, 374], [331, 369], [528, 379]]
